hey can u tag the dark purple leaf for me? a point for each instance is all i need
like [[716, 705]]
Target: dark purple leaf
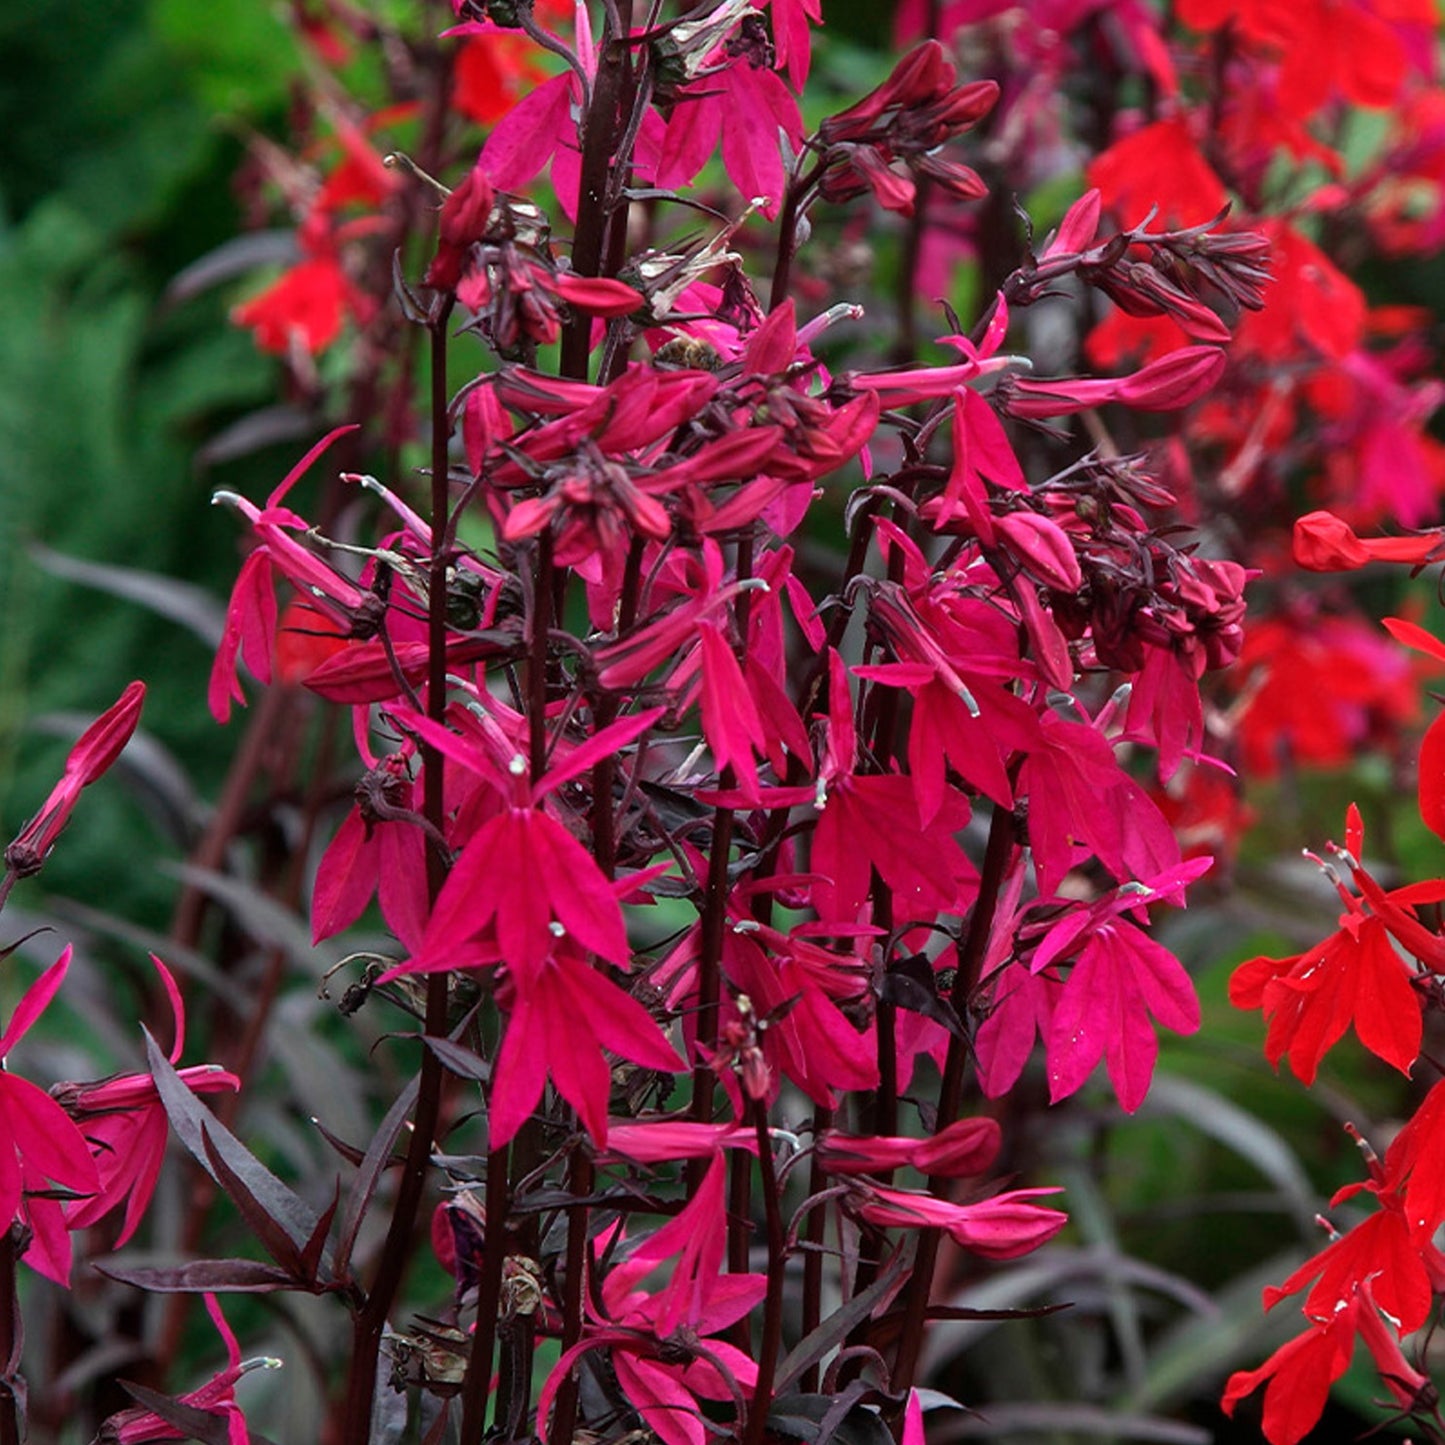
[[314, 1253], [202, 1425], [183, 603], [374, 1161], [819, 1419], [272, 1234], [831, 1333], [264, 428], [910, 983], [458, 1060], [236, 257], [349, 1152], [200, 1276], [196, 1127]]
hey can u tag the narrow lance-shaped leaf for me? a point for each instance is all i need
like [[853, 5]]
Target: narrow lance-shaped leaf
[[201, 1132], [373, 1162]]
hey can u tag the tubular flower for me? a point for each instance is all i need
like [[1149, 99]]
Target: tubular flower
[[94, 751], [126, 1126], [217, 1397], [1324, 542], [1003, 1227]]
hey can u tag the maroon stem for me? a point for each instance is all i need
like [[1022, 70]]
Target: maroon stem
[[599, 137], [11, 1429], [797, 196], [709, 968], [996, 858], [579, 1184], [773, 1301], [477, 1384], [816, 1223], [370, 1322]]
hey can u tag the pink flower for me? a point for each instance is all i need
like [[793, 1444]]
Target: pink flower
[[126, 1127], [94, 751], [251, 615], [38, 1142], [378, 849], [1171, 382], [560, 1020], [967, 1146], [139, 1426], [1003, 1227], [1121, 980], [658, 1343]]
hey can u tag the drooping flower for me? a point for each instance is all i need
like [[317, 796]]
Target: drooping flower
[[140, 1426], [967, 1146], [126, 1127], [1298, 1376], [1003, 1226]]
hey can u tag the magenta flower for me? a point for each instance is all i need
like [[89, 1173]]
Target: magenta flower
[[1081, 801], [657, 1343], [1003, 1227], [378, 849], [94, 751], [1171, 382], [967, 1146], [126, 1126], [139, 1426], [560, 1020], [250, 630], [525, 894], [38, 1142]]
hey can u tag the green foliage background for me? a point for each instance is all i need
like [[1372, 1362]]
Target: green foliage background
[[115, 173]]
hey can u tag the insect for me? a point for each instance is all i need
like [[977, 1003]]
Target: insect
[[688, 353]]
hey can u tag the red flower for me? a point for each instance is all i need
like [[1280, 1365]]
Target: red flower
[[1298, 1376], [1158, 165], [1415, 1166], [304, 308], [492, 73], [1311, 301], [1354, 978], [1325, 543], [1289, 716]]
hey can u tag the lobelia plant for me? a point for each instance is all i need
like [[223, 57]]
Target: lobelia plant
[[720, 887]]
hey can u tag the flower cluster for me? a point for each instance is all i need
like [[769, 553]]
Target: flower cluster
[[1378, 974]]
